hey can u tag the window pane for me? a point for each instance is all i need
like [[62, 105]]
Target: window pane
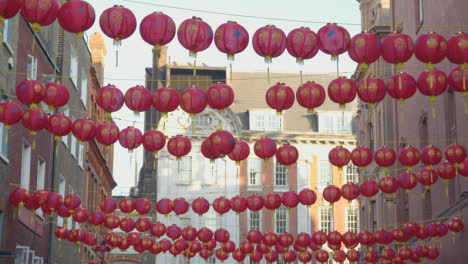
[[201, 121], [3, 144], [351, 174], [254, 220], [84, 88], [185, 170], [26, 166], [280, 174], [325, 174], [210, 219], [255, 171], [325, 214], [351, 220]]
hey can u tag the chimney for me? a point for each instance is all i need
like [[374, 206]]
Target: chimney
[[98, 52]]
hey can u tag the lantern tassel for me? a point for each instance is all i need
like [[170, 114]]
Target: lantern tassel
[[300, 74], [34, 144], [446, 187], [268, 74], [194, 68], [116, 58], [400, 82], [193, 127], [34, 42], [6, 136], [220, 124], [372, 117], [230, 72], [433, 112]]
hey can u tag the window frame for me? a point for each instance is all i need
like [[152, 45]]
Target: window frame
[[81, 154], [31, 67], [419, 14], [284, 173], [62, 190], [74, 67], [267, 118], [355, 174], [322, 182], [355, 211], [181, 179], [251, 170], [40, 179], [26, 168], [250, 216], [3, 143], [8, 35], [84, 88], [65, 138], [322, 221], [286, 220]]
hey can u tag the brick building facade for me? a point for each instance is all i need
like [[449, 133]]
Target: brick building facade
[[398, 125]]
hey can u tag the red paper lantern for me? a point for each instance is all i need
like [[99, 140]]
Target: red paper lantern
[[446, 171], [246, 247], [455, 154], [397, 48], [173, 232], [8, 9], [254, 236], [110, 98], [134, 239], [107, 134], [231, 38], [427, 177], [179, 146], [127, 224], [388, 184], [10, 113], [265, 148], [238, 204], [118, 23], [205, 235], [193, 101], [305, 256], [127, 205], [280, 249], [339, 156], [270, 239], [240, 152], [303, 239], [90, 240], [287, 155], [334, 238], [154, 141], [350, 191], [72, 201], [59, 125], [54, 200], [458, 49], [157, 29], [205, 254], [40, 197], [307, 197], [280, 97], [272, 201], [181, 245], [455, 225], [289, 256], [96, 218], [206, 152], [269, 42], [443, 230], [407, 181], [255, 202], [342, 91], [158, 229], [366, 238], [302, 44], [165, 100], [238, 255], [108, 205], [195, 247], [332, 194], [34, 119], [32, 204], [334, 40], [111, 221], [56, 93], [189, 233], [369, 188], [143, 224], [422, 233], [180, 206], [353, 255], [371, 90], [39, 13], [84, 130], [385, 157], [361, 157], [272, 256], [200, 205], [61, 232], [221, 255], [310, 95], [146, 243], [401, 86], [285, 239], [431, 156], [430, 48], [256, 256], [221, 143], [195, 35], [221, 205], [138, 99], [383, 237], [142, 206], [432, 83], [458, 80], [174, 252], [364, 49], [164, 206], [371, 255], [290, 199], [322, 256], [433, 253], [221, 235], [220, 96], [350, 240], [229, 247], [30, 92], [339, 256], [130, 138], [388, 253], [76, 16]]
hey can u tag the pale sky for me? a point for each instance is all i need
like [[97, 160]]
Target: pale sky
[[135, 54]]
